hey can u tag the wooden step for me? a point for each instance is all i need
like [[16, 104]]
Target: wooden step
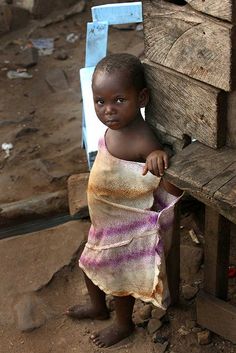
[[208, 175]]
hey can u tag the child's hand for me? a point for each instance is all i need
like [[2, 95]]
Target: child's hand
[[156, 163]]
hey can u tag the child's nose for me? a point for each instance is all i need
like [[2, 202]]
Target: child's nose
[[109, 109]]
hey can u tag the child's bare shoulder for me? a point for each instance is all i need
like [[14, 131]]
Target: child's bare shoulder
[[147, 141]]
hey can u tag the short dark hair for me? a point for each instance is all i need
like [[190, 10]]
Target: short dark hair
[[124, 62]]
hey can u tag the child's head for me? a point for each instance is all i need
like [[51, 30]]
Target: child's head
[[119, 89], [128, 64]]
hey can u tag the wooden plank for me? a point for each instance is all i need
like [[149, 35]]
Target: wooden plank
[[196, 166], [96, 42], [216, 253], [190, 43], [182, 105], [221, 180], [170, 143], [118, 13], [223, 9], [217, 316], [231, 121], [227, 193]]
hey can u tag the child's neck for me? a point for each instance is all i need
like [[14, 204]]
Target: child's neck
[[133, 126]]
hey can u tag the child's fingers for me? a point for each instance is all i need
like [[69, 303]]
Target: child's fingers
[[154, 167], [156, 163], [165, 158], [160, 166]]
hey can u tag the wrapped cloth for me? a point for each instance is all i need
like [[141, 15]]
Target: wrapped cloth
[[132, 221]]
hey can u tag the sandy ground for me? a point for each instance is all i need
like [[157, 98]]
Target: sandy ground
[[43, 122], [41, 116]]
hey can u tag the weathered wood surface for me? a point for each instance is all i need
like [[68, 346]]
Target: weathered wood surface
[[231, 120], [227, 193], [224, 9], [216, 253], [207, 174], [5, 19], [182, 105], [189, 42], [171, 144], [173, 260], [216, 315]]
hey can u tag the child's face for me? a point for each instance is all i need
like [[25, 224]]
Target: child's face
[[117, 103]]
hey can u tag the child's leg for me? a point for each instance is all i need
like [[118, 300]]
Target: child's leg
[[97, 309], [121, 328]]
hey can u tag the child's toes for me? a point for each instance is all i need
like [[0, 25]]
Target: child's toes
[[96, 340], [99, 344], [93, 336]]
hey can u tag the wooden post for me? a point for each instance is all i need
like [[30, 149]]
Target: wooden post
[[217, 315], [173, 260], [217, 241]]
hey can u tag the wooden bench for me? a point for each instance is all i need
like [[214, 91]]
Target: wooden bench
[[210, 176], [190, 65]]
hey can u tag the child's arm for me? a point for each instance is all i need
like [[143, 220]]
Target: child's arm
[[170, 188]]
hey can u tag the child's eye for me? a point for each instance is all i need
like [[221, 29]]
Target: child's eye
[[120, 100], [100, 101]]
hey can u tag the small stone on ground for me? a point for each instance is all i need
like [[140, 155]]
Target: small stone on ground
[[204, 337]]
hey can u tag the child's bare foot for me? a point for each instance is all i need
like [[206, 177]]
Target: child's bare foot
[[112, 334], [87, 312]]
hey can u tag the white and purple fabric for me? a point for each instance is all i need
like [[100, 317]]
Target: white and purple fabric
[[131, 228]]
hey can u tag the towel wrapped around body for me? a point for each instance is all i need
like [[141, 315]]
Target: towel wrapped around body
[[132, 221]]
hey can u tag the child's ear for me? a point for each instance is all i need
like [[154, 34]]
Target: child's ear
[[143, 97]]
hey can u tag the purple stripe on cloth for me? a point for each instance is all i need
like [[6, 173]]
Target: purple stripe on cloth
[[114, 262], [110, 231]]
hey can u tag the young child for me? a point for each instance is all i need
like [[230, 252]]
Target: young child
[[130, 205]]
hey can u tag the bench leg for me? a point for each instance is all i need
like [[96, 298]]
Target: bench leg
[[173, 260], [216, 254], [212, 312]]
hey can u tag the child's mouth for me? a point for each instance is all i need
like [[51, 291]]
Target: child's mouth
[[112, 122]]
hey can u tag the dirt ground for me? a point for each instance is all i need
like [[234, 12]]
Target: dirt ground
[[41, 117], [58, 334]]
